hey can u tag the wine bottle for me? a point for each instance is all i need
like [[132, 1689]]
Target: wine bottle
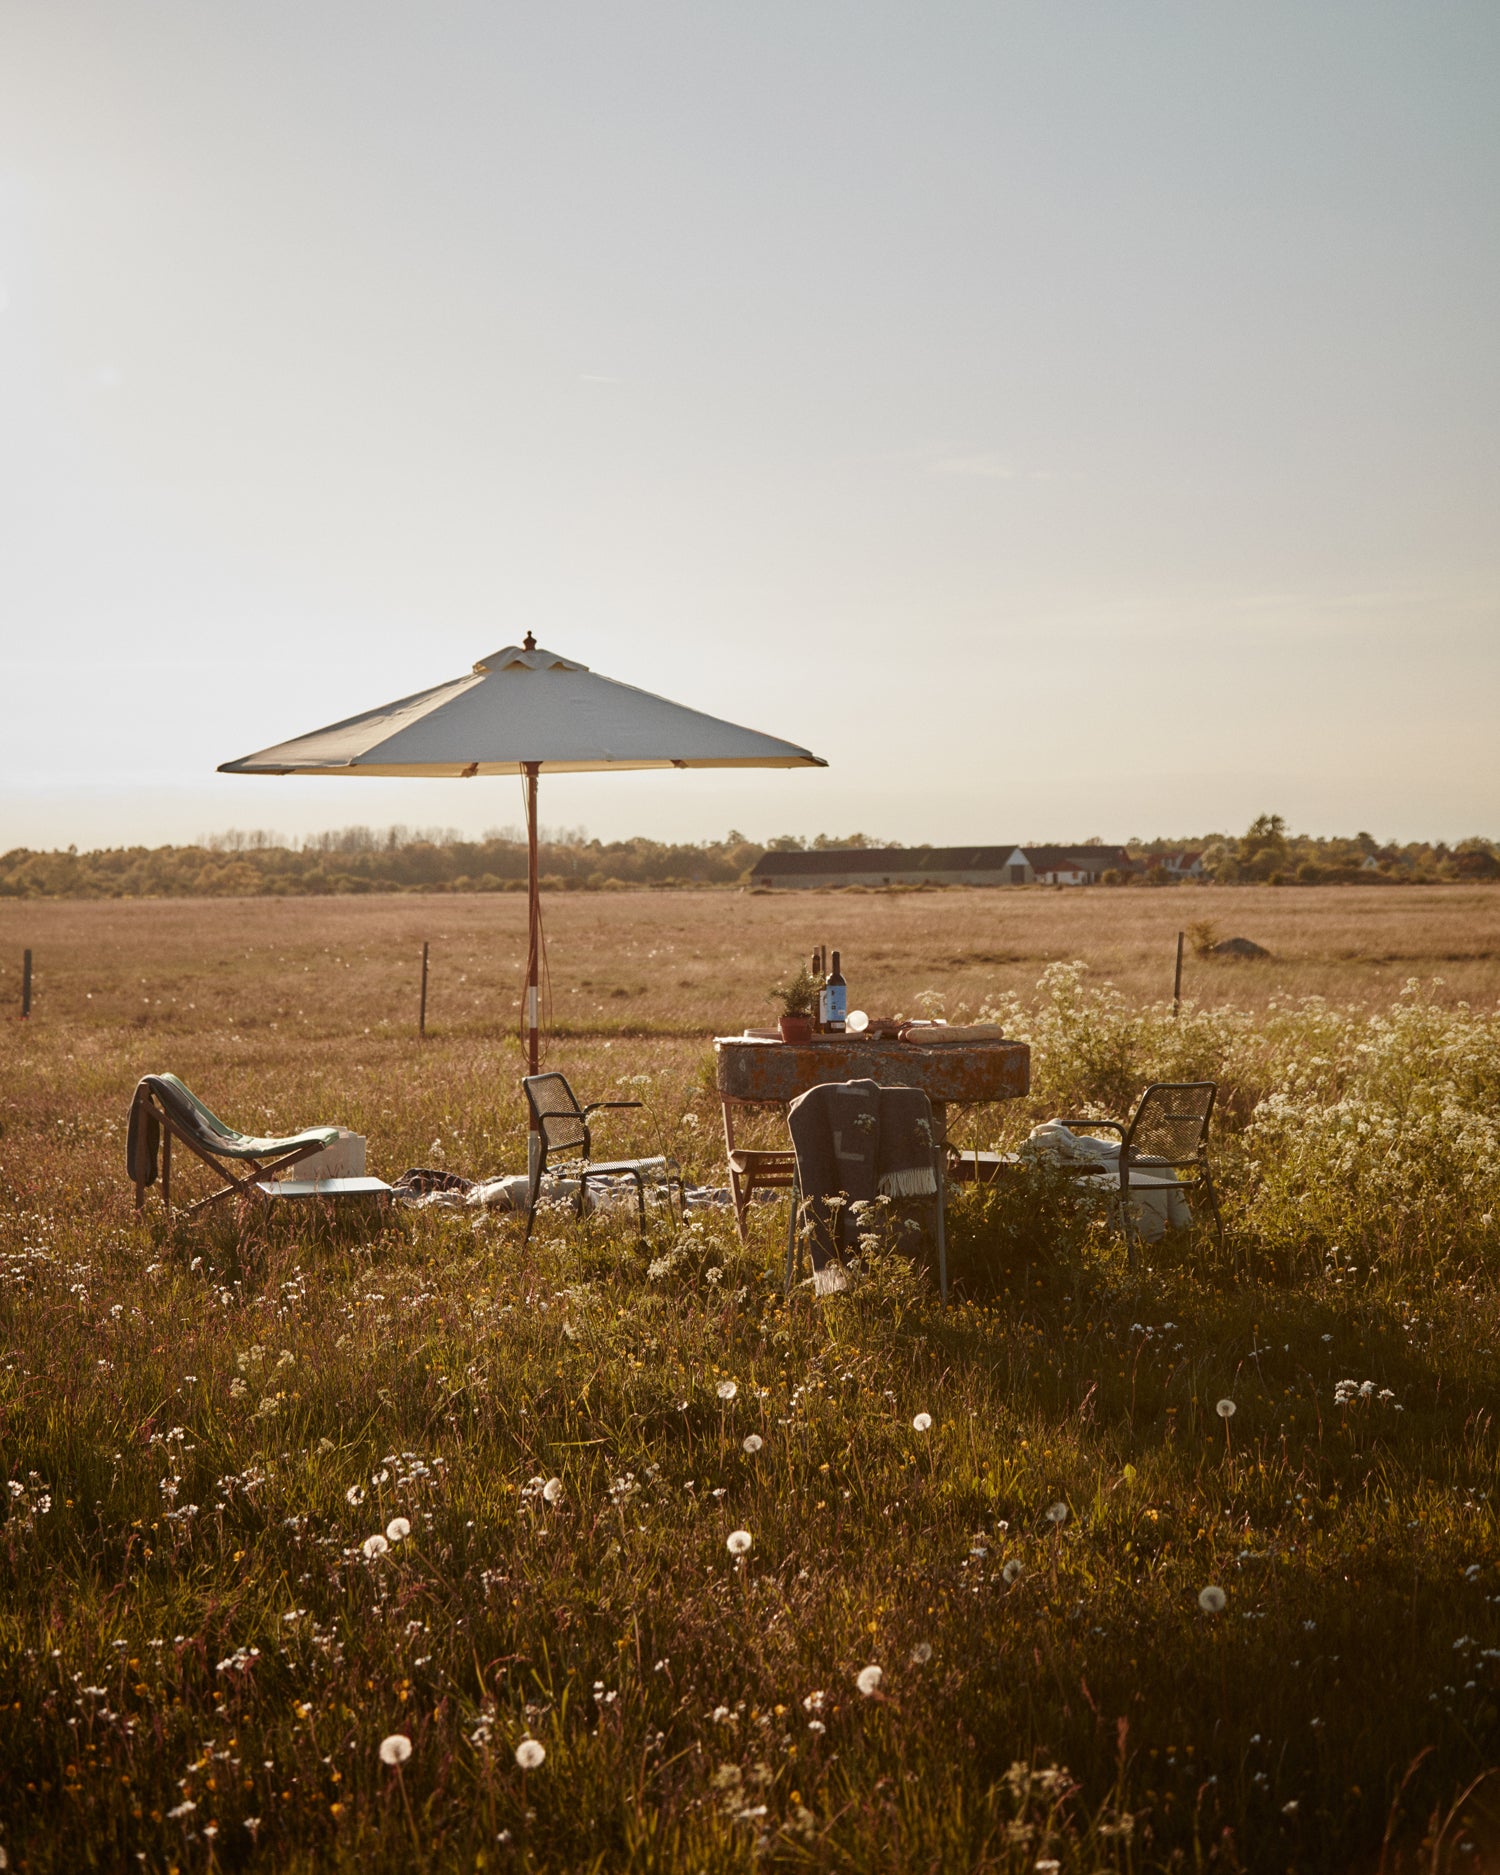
[[836, 995], [815, 969]]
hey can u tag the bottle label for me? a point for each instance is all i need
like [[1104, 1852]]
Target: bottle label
[[836, 1003]]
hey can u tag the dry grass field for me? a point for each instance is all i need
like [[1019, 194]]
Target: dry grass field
[[200, 1650]]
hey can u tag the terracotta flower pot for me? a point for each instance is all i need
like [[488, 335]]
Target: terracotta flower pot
[[795, 1028]]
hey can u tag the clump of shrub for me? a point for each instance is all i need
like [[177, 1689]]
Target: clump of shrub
[[1378, 1133]]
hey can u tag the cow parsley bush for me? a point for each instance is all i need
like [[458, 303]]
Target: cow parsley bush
[[1381, 1135], [1376, 1135]]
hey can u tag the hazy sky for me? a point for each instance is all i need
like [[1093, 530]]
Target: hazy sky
[[1065, 418]]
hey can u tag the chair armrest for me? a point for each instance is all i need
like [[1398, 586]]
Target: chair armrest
[[1108, 1126], [598, 1106]]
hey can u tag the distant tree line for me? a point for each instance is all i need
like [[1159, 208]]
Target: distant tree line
[[1266, 854], [400, 859]]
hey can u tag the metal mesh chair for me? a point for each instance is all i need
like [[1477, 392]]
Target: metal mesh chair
[[563, 1127], [1167, 1134]]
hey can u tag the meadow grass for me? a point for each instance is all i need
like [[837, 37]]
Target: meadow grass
[[202, 1430]]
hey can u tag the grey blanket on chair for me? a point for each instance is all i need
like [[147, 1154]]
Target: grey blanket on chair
[[855, 1140]]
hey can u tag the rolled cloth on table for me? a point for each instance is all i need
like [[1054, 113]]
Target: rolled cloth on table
[[929, 1034], [854, 1141]]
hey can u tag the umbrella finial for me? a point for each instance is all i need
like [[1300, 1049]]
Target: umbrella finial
[[529, 641]]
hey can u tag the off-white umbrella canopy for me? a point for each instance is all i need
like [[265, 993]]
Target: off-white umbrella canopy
[[518, 712], [521, 706]]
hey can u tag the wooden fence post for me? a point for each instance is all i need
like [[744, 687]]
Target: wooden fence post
[[422, 1013], [1177, 979]]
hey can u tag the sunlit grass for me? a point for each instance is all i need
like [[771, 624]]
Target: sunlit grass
[[643, 1537]]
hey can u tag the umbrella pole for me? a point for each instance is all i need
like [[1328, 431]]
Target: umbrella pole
[[533, 959], [534, 924]]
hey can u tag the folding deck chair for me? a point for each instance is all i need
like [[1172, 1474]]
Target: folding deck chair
[[163, 1109], [563, 1127]]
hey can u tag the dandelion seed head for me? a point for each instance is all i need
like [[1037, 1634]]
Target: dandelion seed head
[[1212, 1599], [753, 1443], [530, 1753], [396, 1749], [868, 1680], [1057, 1513], [921, 1653], [374, 1546], [738, 1542], [1012, 1570], [922, 1423], [355, 1494], [398, 1530], [552, 1491], [1225, 1409], [726, 1389]]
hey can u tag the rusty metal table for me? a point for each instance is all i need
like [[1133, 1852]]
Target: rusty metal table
[[750, 1072]]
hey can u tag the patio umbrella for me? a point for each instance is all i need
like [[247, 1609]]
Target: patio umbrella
[[520, 711]]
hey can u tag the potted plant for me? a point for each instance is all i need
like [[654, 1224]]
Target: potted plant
[[796, 1001]]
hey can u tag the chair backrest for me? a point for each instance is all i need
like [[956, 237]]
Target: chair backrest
[[556, 1114], [1171, 1123]]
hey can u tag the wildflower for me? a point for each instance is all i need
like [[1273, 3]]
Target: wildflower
[[922, 1423], [185, 1808], [815, 1701], [1290, 1809], [374, 1546], [1057, 1513], [738, 1542], [753, 1443], [552, 1491], [1211, 1600], [1012, 1570], [237, 1389], [396, 1749], [868, 1680], [1225, 1409], [355, 1495], [398, 1530], [921, 1653], [726, 1389], [530, 1753]]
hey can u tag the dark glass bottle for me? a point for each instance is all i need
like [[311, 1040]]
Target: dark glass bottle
[[836, 999]]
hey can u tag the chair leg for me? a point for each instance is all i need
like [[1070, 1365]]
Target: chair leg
[[640, 1203], [1213, 1201], [942, 1230], [1125, 1223], [793, 1238], [741, 1195]]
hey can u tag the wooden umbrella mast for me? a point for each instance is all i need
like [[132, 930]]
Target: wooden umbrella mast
[[534, 924]]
